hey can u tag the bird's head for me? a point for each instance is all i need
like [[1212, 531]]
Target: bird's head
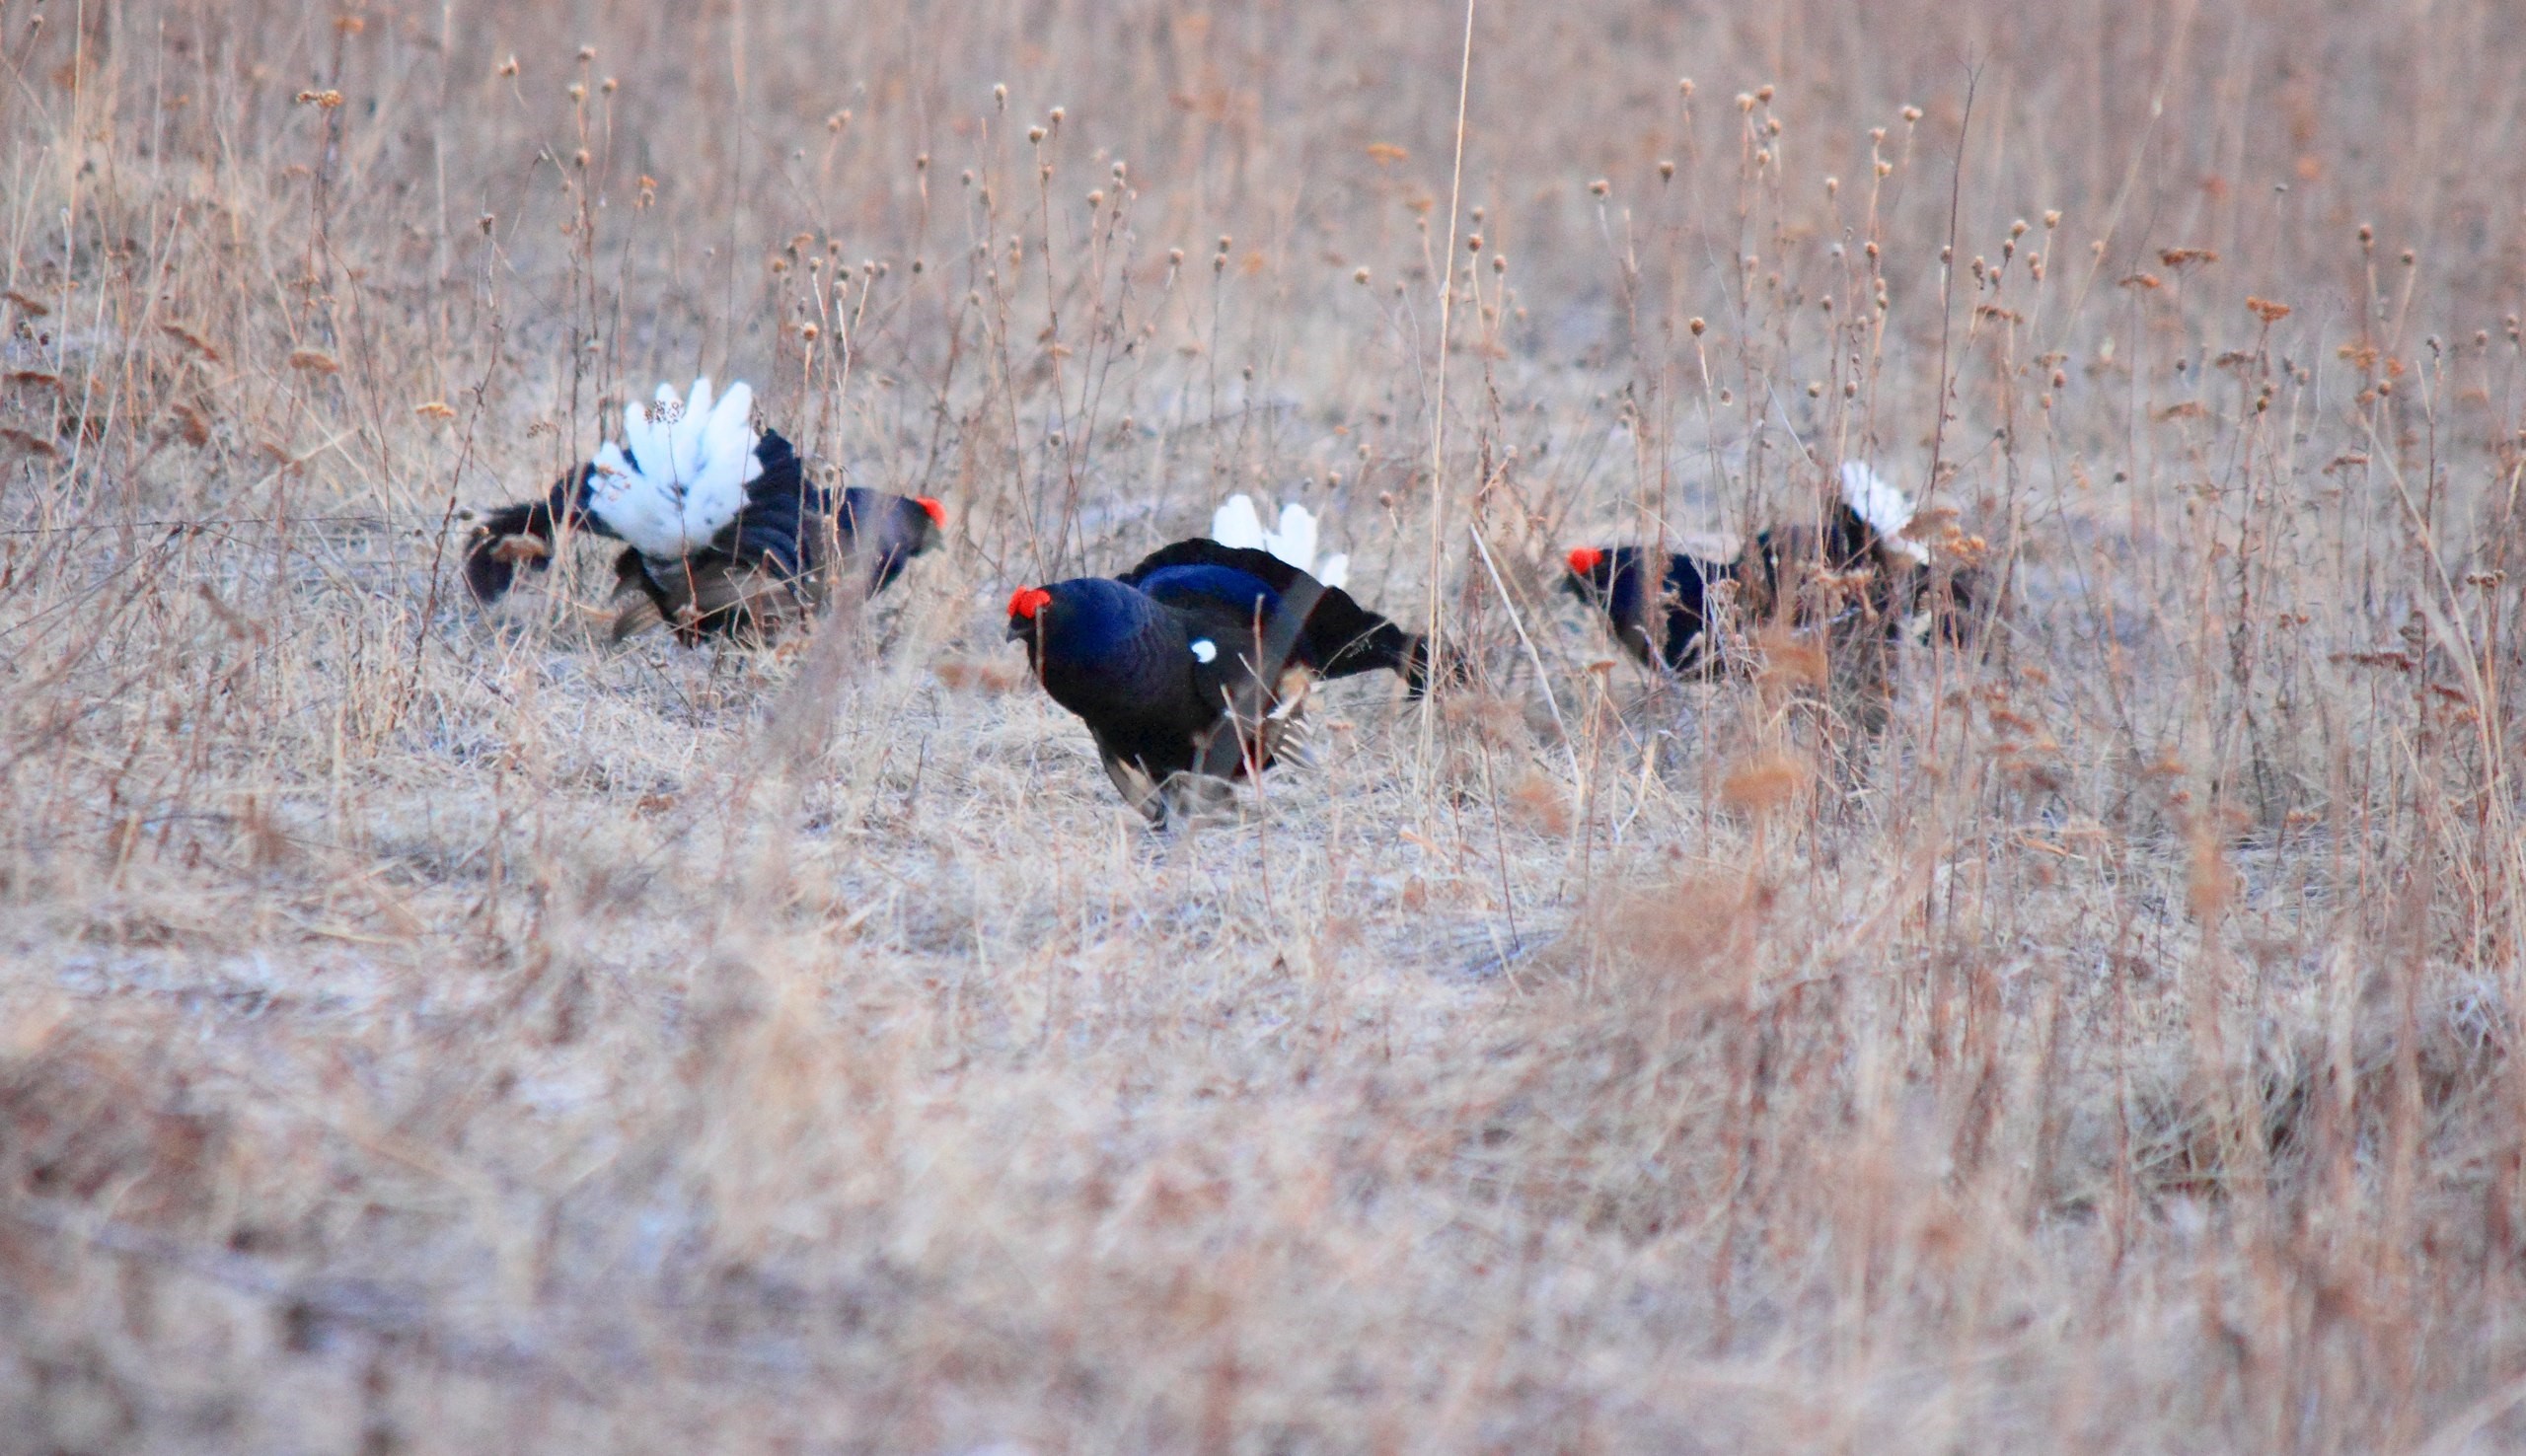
[[1591, 574], [936, 512], [1023, 609]]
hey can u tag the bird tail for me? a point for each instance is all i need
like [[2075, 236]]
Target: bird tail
[[515, 536], [1238, 524], [1883, 506]]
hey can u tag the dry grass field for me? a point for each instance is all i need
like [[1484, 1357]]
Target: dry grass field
[[429, 1030]]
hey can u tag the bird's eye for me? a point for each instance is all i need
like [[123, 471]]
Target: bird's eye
[[1205, 650]]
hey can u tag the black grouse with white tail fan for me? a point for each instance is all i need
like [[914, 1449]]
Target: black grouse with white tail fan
[[1192, 668], [1793, 573], [723, 532]]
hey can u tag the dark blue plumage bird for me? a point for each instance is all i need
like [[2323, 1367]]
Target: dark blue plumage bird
[[1659, 617], [1797, 573], [1190, 669]]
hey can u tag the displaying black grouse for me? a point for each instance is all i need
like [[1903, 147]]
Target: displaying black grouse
[[725, 531], [1863, 537], [1191, 668]]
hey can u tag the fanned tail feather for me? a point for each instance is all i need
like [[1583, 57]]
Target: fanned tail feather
[[680, 471], [1297, 541], [1883, 506], [1235, 524]]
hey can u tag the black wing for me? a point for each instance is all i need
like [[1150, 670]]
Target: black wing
[[1337, 636], [783, 515]]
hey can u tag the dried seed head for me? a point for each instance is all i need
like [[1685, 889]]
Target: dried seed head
[[1360, 276], [2017, 229], [1474, 242], [2407, 258], [1870, 247], [1057, 114], [1884, 168], [809, 331], [1745, 101], [587, 52], [1685, 87], [1911, 114], [1035, 134], [509, 67], [578, 91], [1499, 262], [1227, 242], [1764, 94], [1832, 186], [2367, 235], [608, 86], [1600, 187], [1175, 256], [1096, 199], [1771, 127], [1000, 97], [1666, 169], [966, 177], [1697, 325]]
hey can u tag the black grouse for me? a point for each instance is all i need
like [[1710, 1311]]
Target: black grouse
[[1863, 535], [1616, 581], [1191, 668], [725, 533]]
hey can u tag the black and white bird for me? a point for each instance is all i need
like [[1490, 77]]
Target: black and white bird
[[1192, 668], [723, 532], [1862, 540]]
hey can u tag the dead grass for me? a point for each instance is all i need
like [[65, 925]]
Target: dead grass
[[429, 1033]]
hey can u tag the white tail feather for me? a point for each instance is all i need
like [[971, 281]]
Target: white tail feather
[[1238, 524], [680, 471], [1883, 506]]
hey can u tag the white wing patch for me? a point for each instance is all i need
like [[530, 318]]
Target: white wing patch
[[1238, 524], [681, 473], [1205, 650], [1883, 506]]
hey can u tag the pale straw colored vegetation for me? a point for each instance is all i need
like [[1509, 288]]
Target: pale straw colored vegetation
[[424, 1033]]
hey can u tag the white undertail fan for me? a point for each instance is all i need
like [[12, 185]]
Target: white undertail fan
[[680, 474], [1883, 506], [1237, 524]]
